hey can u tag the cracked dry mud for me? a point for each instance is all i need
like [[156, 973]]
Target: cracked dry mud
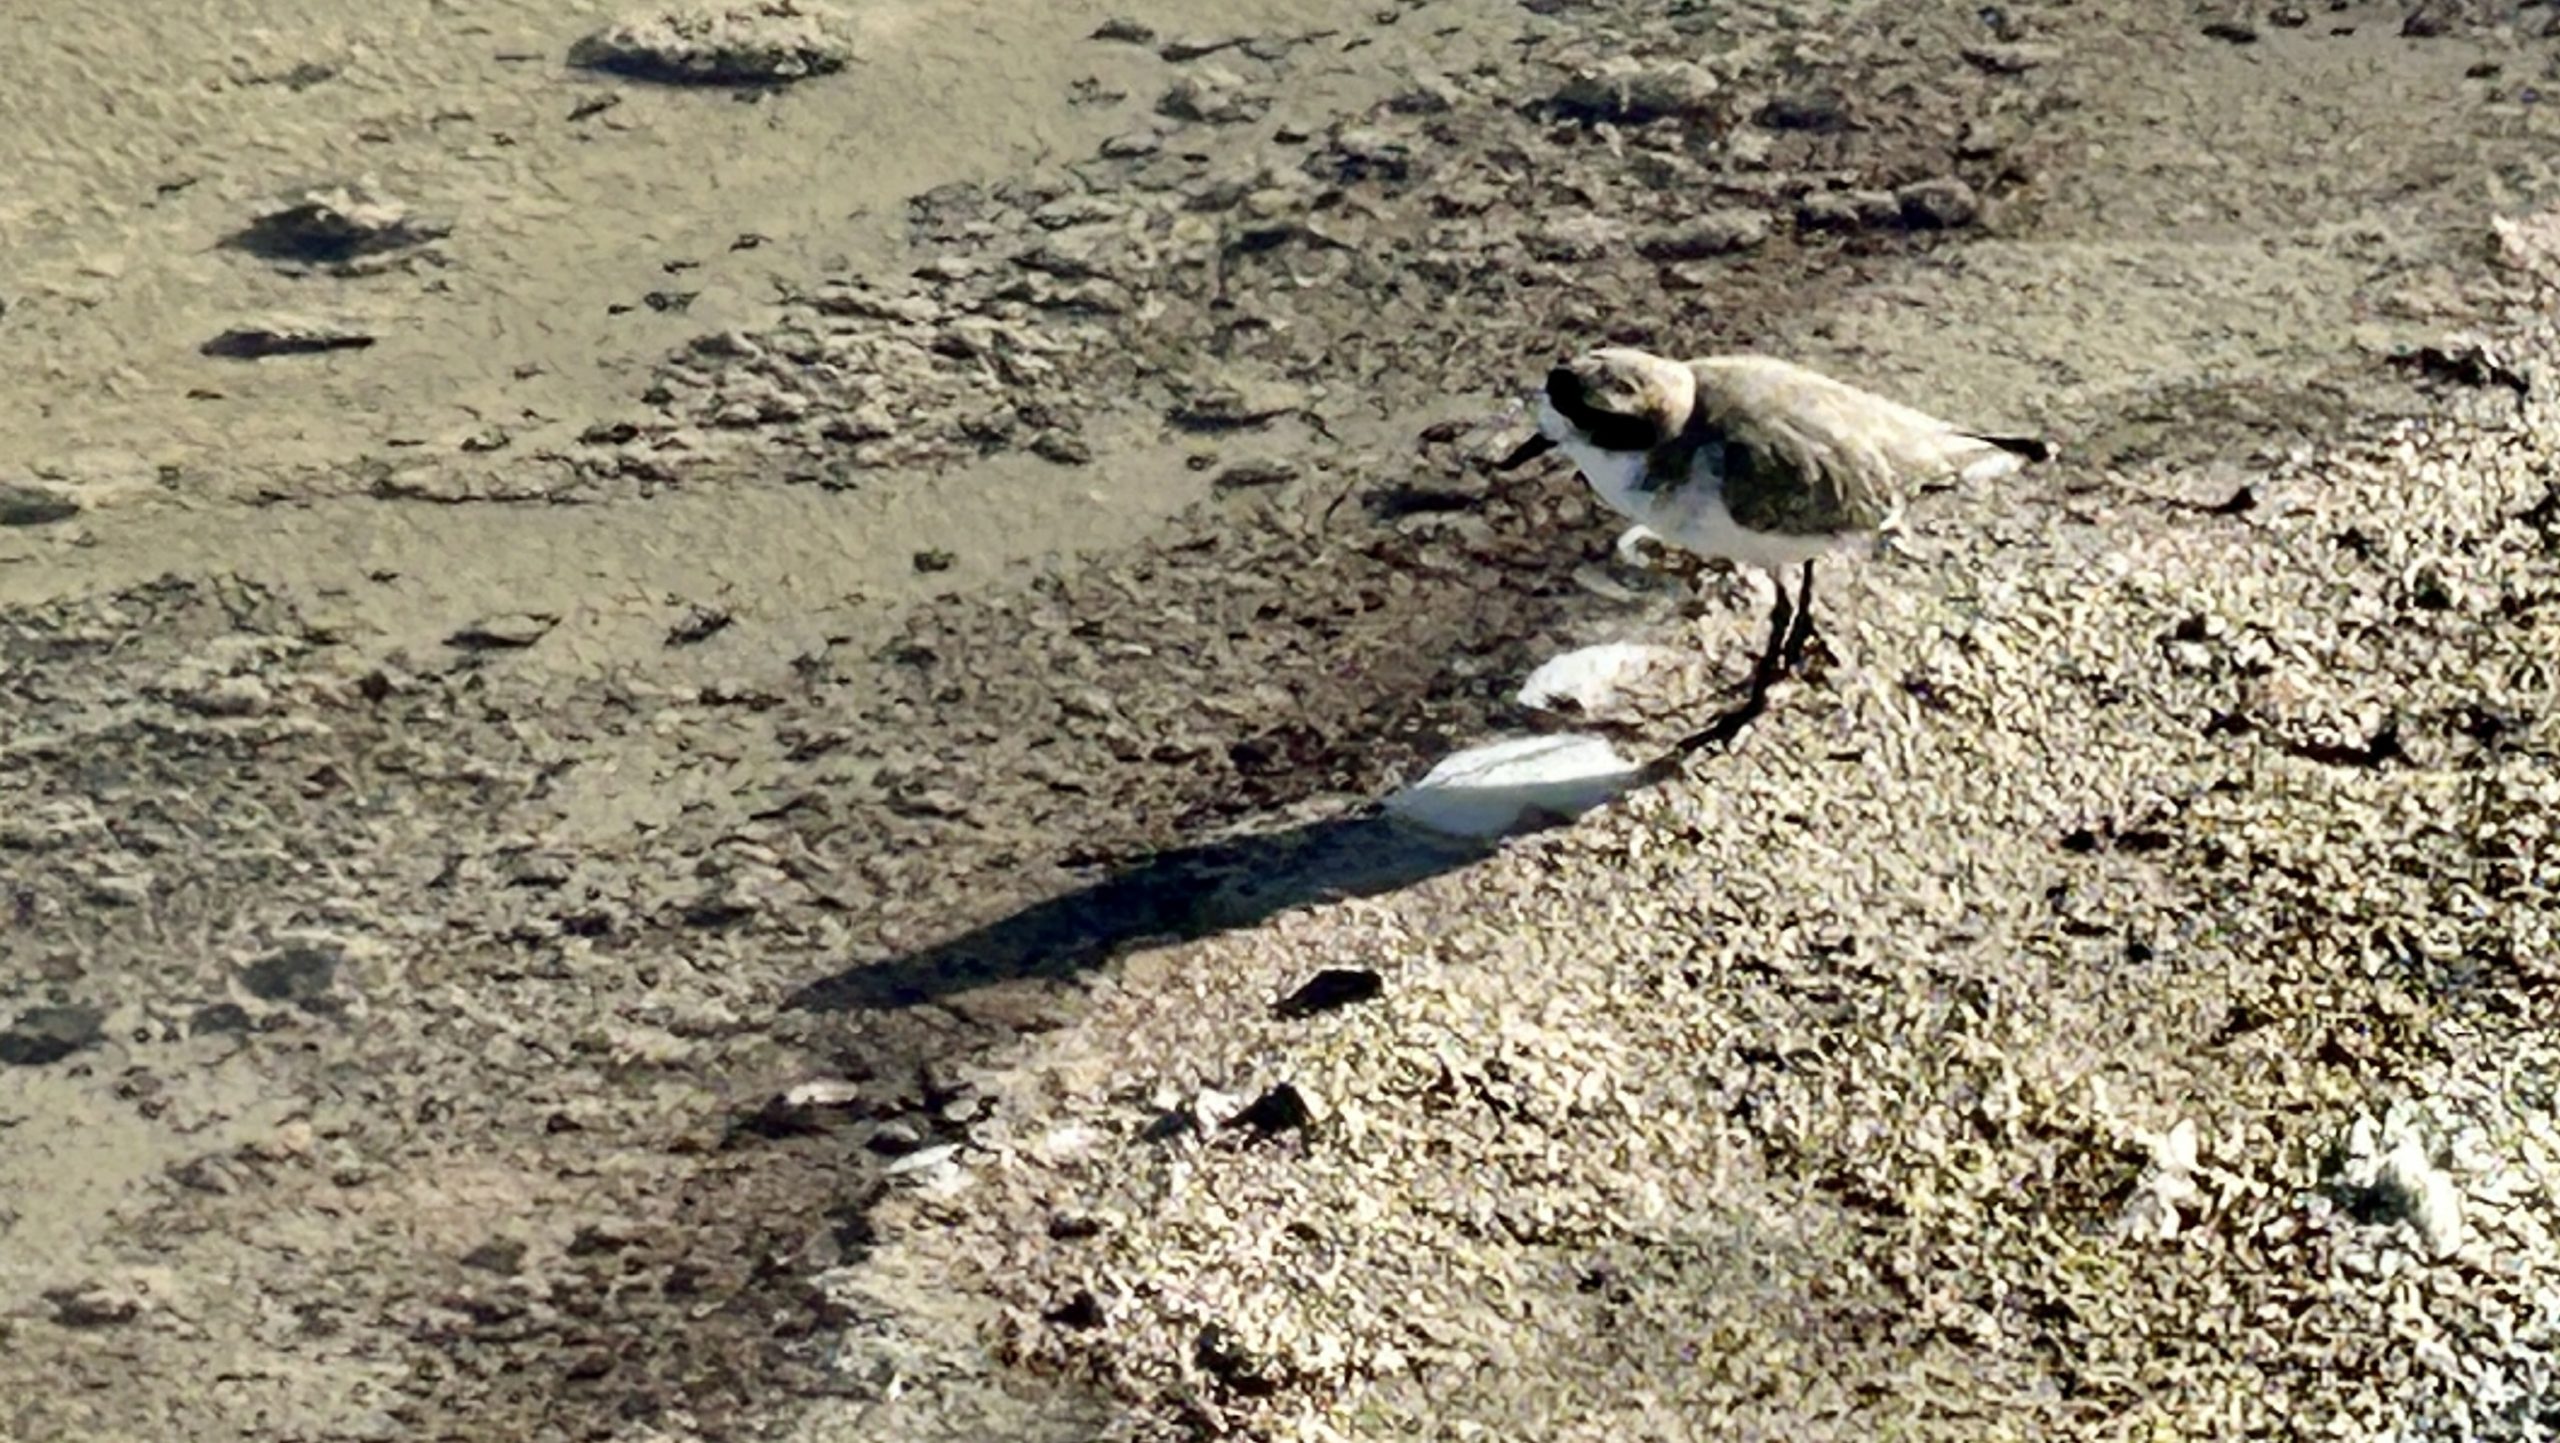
[[700, 840]]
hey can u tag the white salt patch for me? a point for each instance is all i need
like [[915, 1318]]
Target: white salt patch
[[1492, 789], [1066, 1142], [1590, 679]]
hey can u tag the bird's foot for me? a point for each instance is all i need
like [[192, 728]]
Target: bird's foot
[[1717, 735], [1768, 671], [1806, 656]]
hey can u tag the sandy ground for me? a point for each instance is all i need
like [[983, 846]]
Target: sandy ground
[[686, 843]]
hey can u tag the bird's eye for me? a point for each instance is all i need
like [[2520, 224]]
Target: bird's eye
[[1617, 432]]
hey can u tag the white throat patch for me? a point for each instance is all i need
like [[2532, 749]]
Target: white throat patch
[[1616, 475]]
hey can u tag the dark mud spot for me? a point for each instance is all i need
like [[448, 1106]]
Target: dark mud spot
[[300, 975], [220, 1017]]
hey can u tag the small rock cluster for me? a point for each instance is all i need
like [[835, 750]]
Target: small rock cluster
[[722, 42], [353, 228]]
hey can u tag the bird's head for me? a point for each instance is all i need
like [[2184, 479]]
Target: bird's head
[[1613, 400]]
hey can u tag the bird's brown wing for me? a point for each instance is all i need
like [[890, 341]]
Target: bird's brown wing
[[1814, 447], [1792, 478]]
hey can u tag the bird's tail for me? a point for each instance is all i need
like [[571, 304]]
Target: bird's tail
[[1988, 458], [2026, 446]]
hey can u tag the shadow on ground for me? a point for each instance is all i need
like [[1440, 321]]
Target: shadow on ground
[[1197, 891], [1172, 896]]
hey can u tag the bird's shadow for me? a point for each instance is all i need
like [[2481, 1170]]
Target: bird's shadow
[[1173, 896], [1198, 891]]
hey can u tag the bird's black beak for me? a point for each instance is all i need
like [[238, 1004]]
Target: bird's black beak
[[1527, 451]]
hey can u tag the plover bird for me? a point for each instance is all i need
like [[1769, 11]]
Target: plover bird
[[1755, 460]]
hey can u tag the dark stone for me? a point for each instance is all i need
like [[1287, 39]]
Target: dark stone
[[1124, 30], [1817, 111], [1066, 448], [1720, 232], [1332, 988], [45, 1035], [335, 224], [1222, 1355], [283, 338], [1848, 210], [25, 504], [1192, 47], [1359, 155], [595, 1238], [1282, 1109], [92, 1307], [2428, 20], [2008, 59], [499, 1255], [219, 1017], [1080, 1311], [699, 623], [1247, 475], [1942, 204], [2464, 365], [299, 975], [1628, 92], [513, 631]]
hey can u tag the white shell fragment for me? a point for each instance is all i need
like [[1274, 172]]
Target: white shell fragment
[[822, 1092], [1489, 790], [1591, 680], [924, 1160], [1640, 547], [1067, 1142], [2167, 1186]]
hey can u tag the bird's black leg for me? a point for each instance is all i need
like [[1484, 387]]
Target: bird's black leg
[[1801, 634], [1721, 732], [1773, 658]]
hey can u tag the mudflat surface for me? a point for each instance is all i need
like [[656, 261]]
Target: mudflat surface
[[755, 634]]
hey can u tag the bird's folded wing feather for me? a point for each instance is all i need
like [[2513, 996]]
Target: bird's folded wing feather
[[1790, 465], [1804, 453]]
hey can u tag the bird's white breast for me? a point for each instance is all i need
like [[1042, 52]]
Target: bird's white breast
[[1690, 513]]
